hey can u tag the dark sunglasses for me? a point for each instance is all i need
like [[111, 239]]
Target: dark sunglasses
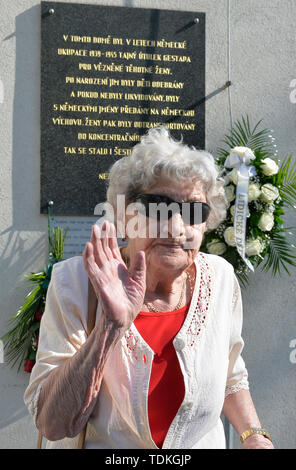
[[158, 207]]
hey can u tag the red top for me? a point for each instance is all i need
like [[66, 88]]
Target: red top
[[166, 387]]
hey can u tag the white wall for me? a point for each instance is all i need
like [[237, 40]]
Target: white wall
[[263, 66]]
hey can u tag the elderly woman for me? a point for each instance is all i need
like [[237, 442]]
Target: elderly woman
[[164, 358]]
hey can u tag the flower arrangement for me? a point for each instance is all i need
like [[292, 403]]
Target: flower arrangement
[[251, 156], [21, 341]]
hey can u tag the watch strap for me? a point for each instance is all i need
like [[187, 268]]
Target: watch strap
[[249, 432]]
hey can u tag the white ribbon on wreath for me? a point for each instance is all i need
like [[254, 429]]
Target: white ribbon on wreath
[[240, 158]]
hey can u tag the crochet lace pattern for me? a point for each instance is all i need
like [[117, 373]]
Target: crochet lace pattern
[[201, 309], [199, 316], [243, 384]]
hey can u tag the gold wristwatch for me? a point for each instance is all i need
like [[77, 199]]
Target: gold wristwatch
[[251, 431]]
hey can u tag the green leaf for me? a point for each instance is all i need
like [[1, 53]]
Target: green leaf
[[242, 135], [23, 326], [280, 253], [254, 233], [46, 283], [285, 179], [32, 356], [243, 278], [35, 326]]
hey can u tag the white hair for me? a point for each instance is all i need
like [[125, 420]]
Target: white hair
[[159, 155]]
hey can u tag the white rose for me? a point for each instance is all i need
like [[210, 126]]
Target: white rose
[[269, 193], [243, 152], [266, 222], [230, 192], [254, 247], [229, 236], [254, 192], [233, 175], [216, 247], [269, 167]]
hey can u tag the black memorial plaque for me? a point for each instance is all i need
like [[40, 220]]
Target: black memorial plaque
[[108, 74]]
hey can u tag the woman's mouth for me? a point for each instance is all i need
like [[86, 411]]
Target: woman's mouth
[[171, 245]]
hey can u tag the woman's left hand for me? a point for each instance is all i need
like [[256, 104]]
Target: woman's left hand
[[257, 441], [120, 292]]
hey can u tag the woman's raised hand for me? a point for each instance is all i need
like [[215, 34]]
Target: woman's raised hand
[[120, 293]]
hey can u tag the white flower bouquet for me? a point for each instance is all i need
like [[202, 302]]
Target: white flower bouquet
[[258, 188]]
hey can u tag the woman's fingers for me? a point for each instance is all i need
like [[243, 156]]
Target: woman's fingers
[[109, 241], [105, 234], [93, 271], [96, 241], [105, 244], [119, 292], [113, 245], [89, 260]]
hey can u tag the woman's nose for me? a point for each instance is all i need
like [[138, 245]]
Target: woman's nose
[[176, 226]]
